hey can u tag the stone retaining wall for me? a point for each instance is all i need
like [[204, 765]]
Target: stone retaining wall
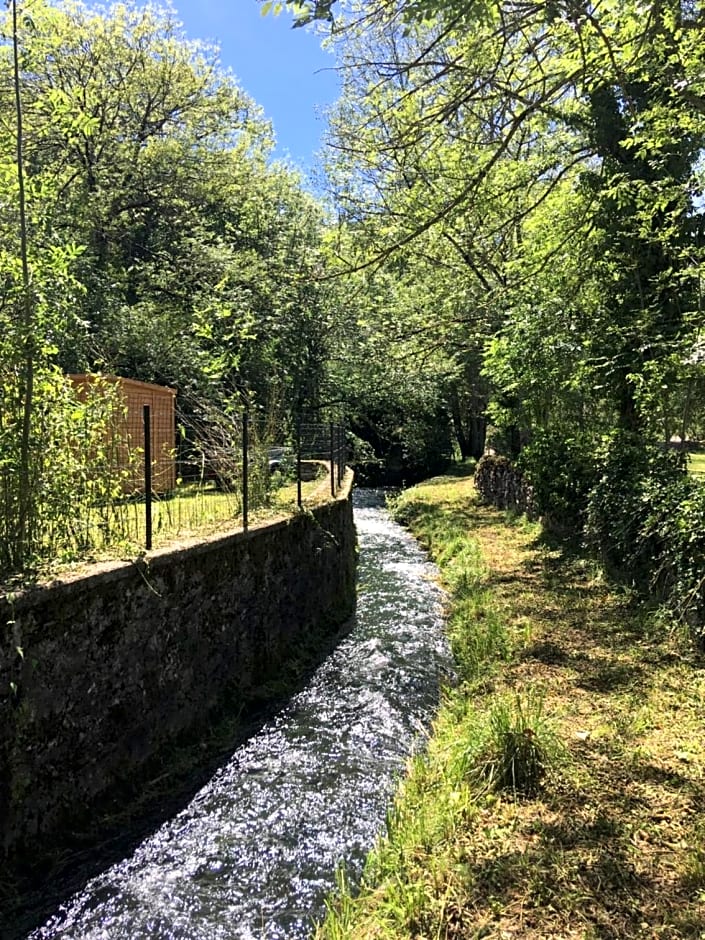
[[499, 482], [100, 675]]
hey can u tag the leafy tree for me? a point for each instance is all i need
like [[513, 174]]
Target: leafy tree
[[147, 233], [199, 261], [474, 127], [127, 109], [38, 287]]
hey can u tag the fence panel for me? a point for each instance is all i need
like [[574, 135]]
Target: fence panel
[[143, 474]]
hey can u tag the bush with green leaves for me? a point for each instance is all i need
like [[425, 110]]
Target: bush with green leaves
[[561, 471], [79, 466], [673, 531], [637, 485], [646, 522]]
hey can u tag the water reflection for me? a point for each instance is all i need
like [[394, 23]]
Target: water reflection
[[255, 852]]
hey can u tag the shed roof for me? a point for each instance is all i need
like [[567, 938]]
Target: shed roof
[[129, 383]]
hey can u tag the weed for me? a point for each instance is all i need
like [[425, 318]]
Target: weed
[[339, 906], [511, 747], [519, 746]]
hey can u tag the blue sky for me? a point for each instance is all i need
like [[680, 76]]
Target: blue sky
[[283, 69]]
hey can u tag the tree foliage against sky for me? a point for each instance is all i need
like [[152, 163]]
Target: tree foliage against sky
[[190, 249], [530, 177], [543, 159], [514, 234], [163, 243]]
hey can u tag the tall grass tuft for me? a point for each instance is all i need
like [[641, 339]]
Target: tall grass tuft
[[515, 748], [479, 637]]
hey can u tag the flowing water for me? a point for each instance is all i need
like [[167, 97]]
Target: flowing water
[[255, 852]]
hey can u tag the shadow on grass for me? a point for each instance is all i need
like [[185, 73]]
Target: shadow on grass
[[579, 866], [547, 652], [666, 777], [601, 854], [605, 676]]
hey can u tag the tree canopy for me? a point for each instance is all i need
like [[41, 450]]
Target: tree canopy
[[543, 161], [512, 237]]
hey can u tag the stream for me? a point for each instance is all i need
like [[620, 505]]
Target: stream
[[255, 852]]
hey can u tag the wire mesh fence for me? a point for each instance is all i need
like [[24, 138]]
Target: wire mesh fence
[[117, 466], [185, 477]]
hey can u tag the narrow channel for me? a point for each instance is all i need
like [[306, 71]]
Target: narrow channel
[[254, 854]]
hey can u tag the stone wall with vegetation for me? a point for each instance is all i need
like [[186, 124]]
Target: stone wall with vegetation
[[499, 482], [101, 675]]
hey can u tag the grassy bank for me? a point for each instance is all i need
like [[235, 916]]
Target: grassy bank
[[561, 794], [190, 513], [696, 463]]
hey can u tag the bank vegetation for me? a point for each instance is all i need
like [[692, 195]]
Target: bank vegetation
[[559, 793]]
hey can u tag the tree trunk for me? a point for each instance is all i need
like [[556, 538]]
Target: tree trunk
[[478, 435], [460, 436]]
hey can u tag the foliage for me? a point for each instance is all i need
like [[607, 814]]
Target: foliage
[[361, 456], [77, 469], [555, 172], [161, 242], [622, 500], [390, 398], [529, 178], [199, 257], [645, 520], [675, 527], [561, 472], [517, 234]]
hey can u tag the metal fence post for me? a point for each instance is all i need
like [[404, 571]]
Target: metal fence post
[[146, 420], [341, 453], [332, 460], [298, 463], [245, 467]]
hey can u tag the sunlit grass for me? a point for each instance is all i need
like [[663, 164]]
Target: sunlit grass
[[119, 530], [195, 511], [696, 463], [600, 702]]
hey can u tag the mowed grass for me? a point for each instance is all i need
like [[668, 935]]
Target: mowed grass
[[696, 463], [199, 512], [605, 701], [191, 513]]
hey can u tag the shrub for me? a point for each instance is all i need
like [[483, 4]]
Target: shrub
[[561, 472], [646, 523], [636, 484], [77, 470]]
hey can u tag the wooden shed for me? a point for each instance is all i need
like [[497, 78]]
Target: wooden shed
[[161, 400]]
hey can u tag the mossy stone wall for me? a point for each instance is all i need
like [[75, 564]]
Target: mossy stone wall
[[100, 675], [500, 483]]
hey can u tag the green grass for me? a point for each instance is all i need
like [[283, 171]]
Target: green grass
[[516, 748], [561, 788], [696, 463], [118, 530]]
